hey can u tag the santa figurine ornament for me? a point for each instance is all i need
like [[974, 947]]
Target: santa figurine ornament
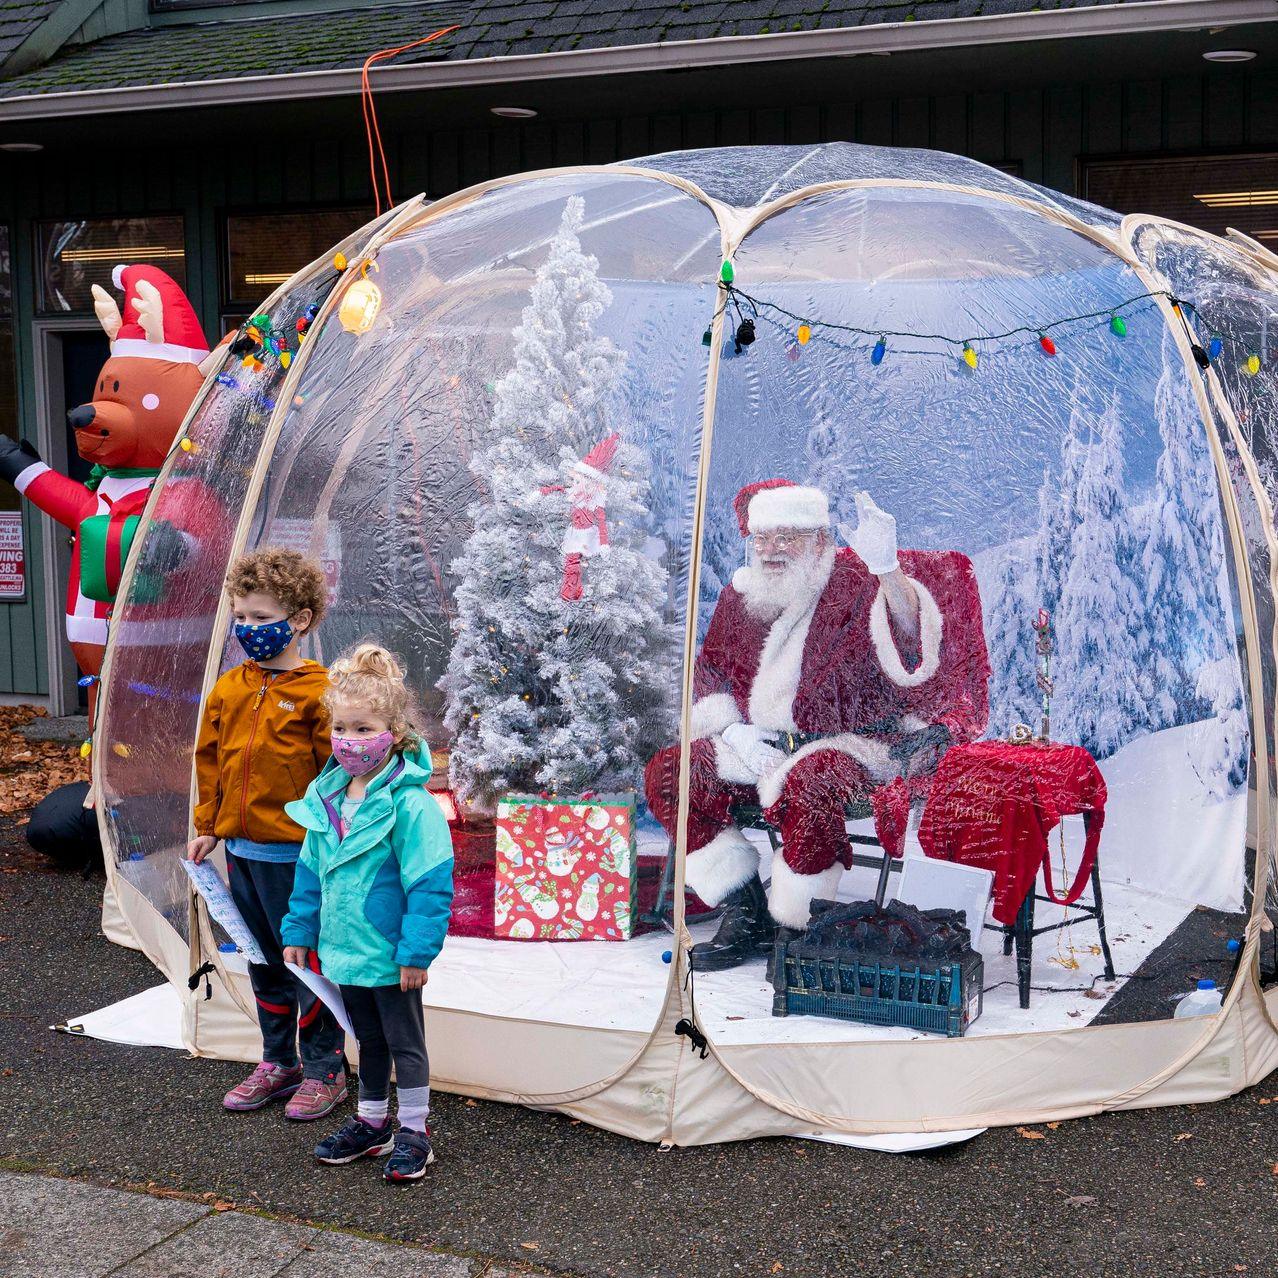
[[587, 533]]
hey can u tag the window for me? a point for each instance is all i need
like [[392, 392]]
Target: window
[[1211, 192], [76, 255], [263, 250], [10, 503]]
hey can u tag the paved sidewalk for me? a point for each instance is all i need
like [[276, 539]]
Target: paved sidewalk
[[52, 1228]]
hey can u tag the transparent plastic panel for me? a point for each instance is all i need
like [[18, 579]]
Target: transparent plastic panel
[[1232, 306], [163, 630], [501, 468], [997, 512], [753, 175]]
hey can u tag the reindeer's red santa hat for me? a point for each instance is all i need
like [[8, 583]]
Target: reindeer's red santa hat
[[158, 320]]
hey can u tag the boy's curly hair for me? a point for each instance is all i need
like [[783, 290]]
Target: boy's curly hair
[[285, 575]]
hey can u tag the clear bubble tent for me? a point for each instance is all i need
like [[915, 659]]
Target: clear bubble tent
[[1071, 415]]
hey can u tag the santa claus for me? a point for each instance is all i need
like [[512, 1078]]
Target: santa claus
[[828, 677]]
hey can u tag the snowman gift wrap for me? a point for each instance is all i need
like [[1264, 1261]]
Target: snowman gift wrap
[[566, 868]]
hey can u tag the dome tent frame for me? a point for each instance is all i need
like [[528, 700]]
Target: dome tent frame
[[655, 1086]]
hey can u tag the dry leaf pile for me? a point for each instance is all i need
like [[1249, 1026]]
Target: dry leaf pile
[[31, 769]]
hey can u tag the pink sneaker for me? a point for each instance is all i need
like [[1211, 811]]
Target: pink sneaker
[[265, 1084], [316, 1098]]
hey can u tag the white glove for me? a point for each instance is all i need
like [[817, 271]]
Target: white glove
[[750, 744], [874, 538]]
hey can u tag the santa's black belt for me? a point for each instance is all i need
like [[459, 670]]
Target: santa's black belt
[[793, 742]]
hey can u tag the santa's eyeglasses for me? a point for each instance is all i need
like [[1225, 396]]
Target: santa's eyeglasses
[[782, 539]]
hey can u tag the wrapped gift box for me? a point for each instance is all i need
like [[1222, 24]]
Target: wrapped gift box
[[566, 869]]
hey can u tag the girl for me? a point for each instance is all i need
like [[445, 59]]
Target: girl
[[372, 897]]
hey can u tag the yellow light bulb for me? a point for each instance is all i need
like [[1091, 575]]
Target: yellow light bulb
[[360, 306], [1253, 365], [969, 357]]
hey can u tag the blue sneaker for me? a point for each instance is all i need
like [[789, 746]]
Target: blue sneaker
[[412, 1156], [355, 1139]]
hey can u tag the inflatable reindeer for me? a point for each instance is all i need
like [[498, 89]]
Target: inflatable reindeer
[[140, 400]]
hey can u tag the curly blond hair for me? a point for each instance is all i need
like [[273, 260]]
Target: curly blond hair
[[285, 575], [370, 677]]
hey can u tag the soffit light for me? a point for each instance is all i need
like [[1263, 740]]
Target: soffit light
[[120, 253], [1237, 199], [22, 148], [514, 113], [1229, 55]]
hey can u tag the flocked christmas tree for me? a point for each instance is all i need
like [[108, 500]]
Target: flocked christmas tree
[[543, 692], [1100, 620]]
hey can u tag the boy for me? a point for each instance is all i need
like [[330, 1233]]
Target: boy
[[263, 739]]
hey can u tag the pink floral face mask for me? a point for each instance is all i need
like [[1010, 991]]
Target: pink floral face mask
[[360, 755]]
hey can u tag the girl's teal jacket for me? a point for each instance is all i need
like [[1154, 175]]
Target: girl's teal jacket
[[380, 898]]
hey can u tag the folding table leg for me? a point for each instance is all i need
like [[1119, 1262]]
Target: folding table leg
[[1100, 922], [1008, 934]]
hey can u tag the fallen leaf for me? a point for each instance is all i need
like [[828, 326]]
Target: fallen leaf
[[1080, 1200], [1275, 1169], [1238, 1269], [777, 1267], [1028, 1133], [1264, 1100], [470, 1104], [531, 1246], [1093, 994], [1053, 1126], [1183, 1136], [1199, 1182]]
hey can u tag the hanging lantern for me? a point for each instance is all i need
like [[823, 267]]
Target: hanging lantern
[[1118, 326], [1252, 365], [1049, 346], [970, 357], [804, 334], [360, 304], [880, 349]]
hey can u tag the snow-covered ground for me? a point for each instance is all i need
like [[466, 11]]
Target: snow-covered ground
[[1166, 848]]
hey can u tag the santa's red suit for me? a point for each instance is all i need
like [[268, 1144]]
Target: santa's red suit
[[839, 684]]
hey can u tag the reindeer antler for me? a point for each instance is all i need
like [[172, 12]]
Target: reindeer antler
[[107, 311], [150, 308]]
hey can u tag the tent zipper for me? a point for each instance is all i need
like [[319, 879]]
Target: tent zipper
[[248, 753]]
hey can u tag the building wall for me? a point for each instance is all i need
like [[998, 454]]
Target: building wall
[[1043, 132]]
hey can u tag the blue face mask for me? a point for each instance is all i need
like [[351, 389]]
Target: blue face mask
[[264, 642]]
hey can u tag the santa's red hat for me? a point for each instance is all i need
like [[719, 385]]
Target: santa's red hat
[[180, 339], [598, 461], [780, 503]]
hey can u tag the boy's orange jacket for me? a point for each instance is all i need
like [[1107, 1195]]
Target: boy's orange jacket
[[263, 739]]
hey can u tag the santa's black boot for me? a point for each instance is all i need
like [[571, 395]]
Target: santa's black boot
[[745, 931]]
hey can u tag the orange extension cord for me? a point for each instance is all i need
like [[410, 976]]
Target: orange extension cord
[[370, 118]]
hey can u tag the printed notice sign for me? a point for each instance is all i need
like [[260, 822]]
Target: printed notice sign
[[299, 535], [13, 557]]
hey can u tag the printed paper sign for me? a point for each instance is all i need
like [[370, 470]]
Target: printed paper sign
[[13, 559], [296, 534], [217, 896], [326, 991]]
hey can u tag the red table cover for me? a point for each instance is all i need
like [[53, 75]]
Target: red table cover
[[993, 804]]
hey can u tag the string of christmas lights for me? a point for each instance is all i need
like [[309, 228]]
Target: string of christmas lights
[[803, 328]]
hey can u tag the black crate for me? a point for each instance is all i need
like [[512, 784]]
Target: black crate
[[937, 996]]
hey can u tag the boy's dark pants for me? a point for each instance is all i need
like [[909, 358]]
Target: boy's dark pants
[[390, 1025], [289, 1014]]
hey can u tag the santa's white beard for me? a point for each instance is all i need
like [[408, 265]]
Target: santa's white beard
[[768, 594]]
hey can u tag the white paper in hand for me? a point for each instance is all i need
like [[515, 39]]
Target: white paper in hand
[[326, 991], [217, 896]]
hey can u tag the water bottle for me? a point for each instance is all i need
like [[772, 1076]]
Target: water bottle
[[1204, 1001]]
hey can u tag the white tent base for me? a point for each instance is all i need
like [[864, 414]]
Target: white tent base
[[152, 1018]]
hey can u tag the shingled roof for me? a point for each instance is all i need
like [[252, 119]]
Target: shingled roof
[[18, 19], [244, 45]]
